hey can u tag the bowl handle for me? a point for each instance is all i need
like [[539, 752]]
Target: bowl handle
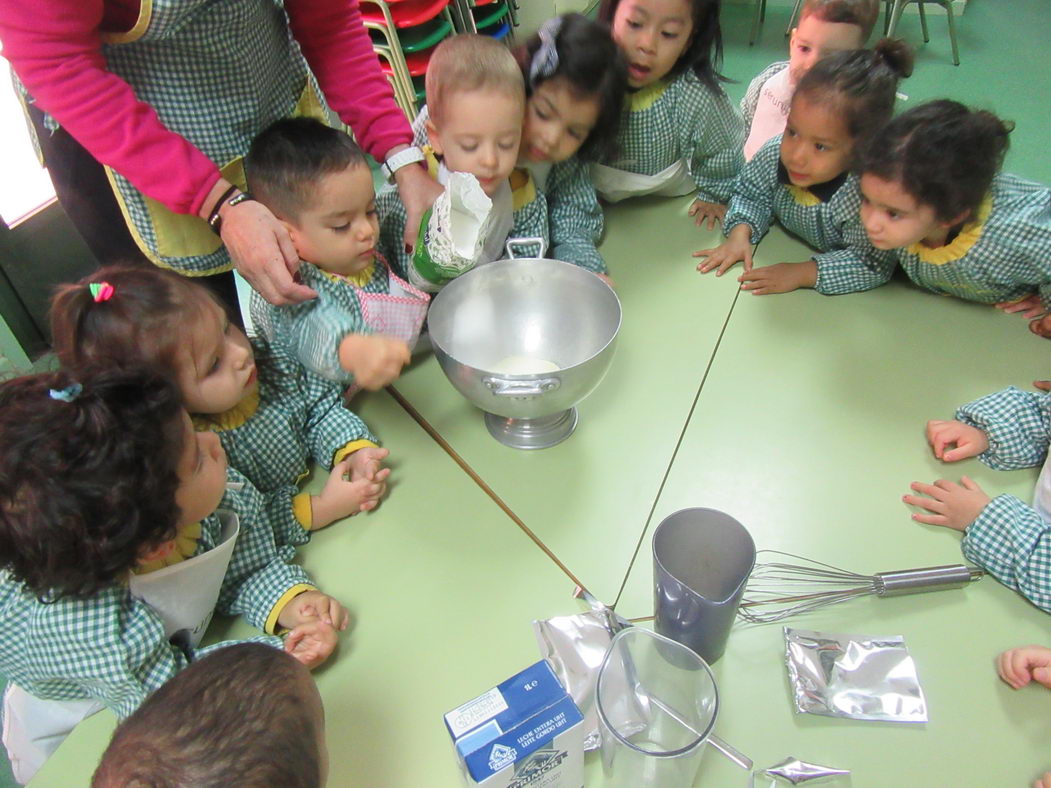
[[513, 243], [502, 387]]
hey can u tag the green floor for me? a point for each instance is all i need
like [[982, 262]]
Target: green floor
[[488, 578]]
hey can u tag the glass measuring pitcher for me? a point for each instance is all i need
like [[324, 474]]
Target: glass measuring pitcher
[[657, 703]]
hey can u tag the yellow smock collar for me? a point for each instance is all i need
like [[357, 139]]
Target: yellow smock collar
[[231, 419], [360, 279], [958, 246], [646, 97], [186, 539]]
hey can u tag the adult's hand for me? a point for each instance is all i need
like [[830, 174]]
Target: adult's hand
[[263, 252], [418, 191]]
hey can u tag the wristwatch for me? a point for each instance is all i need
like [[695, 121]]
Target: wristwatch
[[215, 221], [399, 160]]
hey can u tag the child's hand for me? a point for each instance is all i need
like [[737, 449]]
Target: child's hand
[[779, 278], [606, 278], [313, 606], [953, 505], [1017, 666], [1042, 327], [349, 489], [1031, 306], [969, 441], [1043, 385], [713, 212], [373, 359], [736, 248], [311, 643], [1043, 782]]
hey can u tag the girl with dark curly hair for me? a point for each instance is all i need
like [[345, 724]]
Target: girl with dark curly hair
[[932, 192], [802, 177], [113, 554]]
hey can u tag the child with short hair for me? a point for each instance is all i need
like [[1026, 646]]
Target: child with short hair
[[270, 414], [575, 82], [680, 134], [246, 715], [113, 543], [803, 178], [363, 324], [472, 124], [932, 192], [1007, 430], [825, 26]]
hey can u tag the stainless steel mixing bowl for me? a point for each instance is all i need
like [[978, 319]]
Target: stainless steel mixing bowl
[[531, 308]]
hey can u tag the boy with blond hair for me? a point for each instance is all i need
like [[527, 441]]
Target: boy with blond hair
[[473, 121], [825, 26]]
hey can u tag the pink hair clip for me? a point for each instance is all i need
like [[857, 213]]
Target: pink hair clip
[[101, 291]]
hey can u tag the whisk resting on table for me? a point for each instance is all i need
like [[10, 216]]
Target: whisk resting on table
[[778, 590]]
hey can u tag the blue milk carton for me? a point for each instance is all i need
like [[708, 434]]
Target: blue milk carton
[[524, 733]]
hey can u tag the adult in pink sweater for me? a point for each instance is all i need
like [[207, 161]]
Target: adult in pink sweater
[[121, 77]]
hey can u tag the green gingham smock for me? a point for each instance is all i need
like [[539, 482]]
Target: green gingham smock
[[311, 331], [1003, 255], [824, 216], [683, 119], [530, 220], [1010, 538], [300, 417], [574, 217], [111, 646], [755, 89]]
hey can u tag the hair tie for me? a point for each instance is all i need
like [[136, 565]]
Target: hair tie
[[545, 60], [68, 394], [101, 291]]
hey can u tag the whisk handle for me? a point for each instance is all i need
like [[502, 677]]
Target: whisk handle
[[930, 578]]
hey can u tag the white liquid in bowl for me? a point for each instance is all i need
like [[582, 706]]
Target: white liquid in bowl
[[524, 365]]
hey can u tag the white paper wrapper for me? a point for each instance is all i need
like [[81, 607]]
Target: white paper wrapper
[[453, 234]]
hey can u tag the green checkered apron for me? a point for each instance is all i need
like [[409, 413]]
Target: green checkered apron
[[217, 72]]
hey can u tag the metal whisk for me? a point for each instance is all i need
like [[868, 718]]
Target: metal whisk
[[778, 590]]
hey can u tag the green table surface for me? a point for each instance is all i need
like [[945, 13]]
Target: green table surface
[[809, 429], [588, 498], [442, 587]]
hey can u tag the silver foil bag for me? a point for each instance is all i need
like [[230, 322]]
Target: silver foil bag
[[792, 771], [861, 677], [574, 647]]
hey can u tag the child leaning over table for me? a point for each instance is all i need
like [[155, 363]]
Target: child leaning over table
[[1008, 430], [362, 326], [825, 26], [475, 108], [113, 553]]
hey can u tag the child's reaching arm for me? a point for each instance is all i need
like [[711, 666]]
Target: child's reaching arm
[[1017, 425], [575, 216], [713, 140]]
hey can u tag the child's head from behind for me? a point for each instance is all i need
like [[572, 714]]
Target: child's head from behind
[[928, 172], [96, 475], [837, 107], [247, 715], [575, 83], [147, 316], [475, 104], [661, 38], [316, 181], [827, 26]]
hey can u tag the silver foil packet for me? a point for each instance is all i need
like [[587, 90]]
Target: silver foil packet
[[574, 647], [792, 771], [861, 677]]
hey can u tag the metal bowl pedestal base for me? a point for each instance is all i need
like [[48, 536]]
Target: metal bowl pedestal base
[[538, 433]]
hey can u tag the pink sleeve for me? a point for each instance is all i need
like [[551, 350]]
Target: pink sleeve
[[55, 49], [337, 46]]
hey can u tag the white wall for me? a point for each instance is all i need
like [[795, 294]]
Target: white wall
[[532, 13]]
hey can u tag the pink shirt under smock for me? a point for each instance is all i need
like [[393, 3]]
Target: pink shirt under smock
[[55, 48]]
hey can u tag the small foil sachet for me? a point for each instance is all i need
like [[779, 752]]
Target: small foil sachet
[[453, 234], [792, 771], [861, 677], [574, 647]]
